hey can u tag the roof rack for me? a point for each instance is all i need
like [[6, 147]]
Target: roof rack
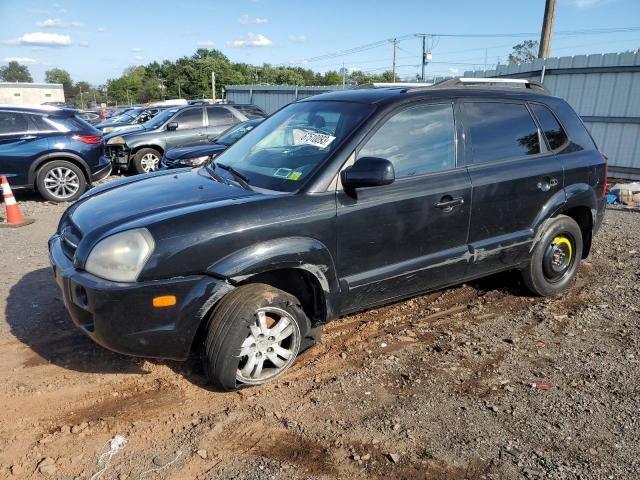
[[492, 82]]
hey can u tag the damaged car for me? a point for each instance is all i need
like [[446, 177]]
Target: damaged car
[[337, 203]]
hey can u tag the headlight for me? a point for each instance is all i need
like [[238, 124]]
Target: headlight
[[116, 141], [195, 161], [107, 129], [121, 257]]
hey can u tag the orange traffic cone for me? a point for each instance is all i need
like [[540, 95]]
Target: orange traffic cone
[[14, 216]]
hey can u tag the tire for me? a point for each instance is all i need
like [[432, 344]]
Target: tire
[[146, 160], [556, 258], [234, 329], [60, 181]]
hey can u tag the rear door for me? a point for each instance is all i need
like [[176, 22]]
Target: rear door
[[219, 119], [410, 236], [191, 129], [513, 175], [19, 146]]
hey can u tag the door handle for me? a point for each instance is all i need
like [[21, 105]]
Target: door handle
[[447, 203]]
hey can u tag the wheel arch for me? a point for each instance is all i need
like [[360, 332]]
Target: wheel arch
[[301, 266], [52, 157], [156, 147]]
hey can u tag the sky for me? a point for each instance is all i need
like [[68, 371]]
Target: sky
[[95, 40]]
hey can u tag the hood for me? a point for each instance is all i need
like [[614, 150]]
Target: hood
[[195, 151], [153, 195], [136, 127]]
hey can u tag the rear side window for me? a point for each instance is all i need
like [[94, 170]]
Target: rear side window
[[250, 111], [550, 126], [40, 124], [12, 122], [191, 118], [220, 116], [500, 131], [416, 140]]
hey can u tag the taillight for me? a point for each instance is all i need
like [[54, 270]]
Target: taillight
[[606, 171], [90, 139]]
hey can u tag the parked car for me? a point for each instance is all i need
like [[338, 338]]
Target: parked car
[[336, 203], [90, 117], [195, 155], [141, 150], [51, 150], [129, 120]]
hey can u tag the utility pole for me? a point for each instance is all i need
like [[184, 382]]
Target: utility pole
[[213, 86], [547, 29], [395, 45], [426, 55]]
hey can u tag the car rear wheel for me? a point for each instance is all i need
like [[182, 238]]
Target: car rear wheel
[[254, 336], [146, 160], [556, 257], [60, 181]]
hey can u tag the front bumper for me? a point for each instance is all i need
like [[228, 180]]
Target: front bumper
[[121, 316]]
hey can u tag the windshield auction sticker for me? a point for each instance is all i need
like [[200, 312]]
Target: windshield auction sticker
[[308, 137]]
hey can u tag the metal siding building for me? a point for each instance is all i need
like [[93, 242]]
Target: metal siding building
[[603, 89], [30, 93]]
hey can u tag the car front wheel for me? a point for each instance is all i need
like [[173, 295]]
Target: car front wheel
[[146, 160], [60, 181], [254, 336]]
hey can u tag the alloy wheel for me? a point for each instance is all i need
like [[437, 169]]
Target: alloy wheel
[[149, 162], [62, 182], [270, 348]]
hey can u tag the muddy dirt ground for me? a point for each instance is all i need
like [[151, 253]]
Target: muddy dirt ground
[[477, 381]]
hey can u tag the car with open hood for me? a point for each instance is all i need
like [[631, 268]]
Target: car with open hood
[[334, 204]]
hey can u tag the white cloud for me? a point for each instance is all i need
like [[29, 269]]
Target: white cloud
[[37, 11], [58, 23], [136, 50], [83, 43], [138, 57], [40, 39], [247, 20], [586, 4], [19, 59], [297, 38], [205, 43], [251, 40]]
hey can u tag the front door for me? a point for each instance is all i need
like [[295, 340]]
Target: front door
[[513, 175], [404, 238], [190, 129]]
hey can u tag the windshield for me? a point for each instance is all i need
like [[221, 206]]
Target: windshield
[[235, 133], [159, 119], [285, 149]]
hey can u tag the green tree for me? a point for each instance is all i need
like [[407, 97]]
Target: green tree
[[14, 72], [524, 52], [58, 75]]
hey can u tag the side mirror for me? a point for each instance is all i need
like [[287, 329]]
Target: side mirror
[[368, 172], [172, 126]]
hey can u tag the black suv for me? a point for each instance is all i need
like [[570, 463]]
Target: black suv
[[334, 204], [50, 149], [142, 149]]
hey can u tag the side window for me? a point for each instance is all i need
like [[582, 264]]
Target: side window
[[40, 124], [220, 116], [416, 140], [12, 122], [191, 118], [550, 126], [500, 131]]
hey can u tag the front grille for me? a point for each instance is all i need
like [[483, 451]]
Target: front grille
[[70, 237]]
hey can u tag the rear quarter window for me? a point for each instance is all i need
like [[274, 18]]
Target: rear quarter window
[[579, 136], [553, 131]]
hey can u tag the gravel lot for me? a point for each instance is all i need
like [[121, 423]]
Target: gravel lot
[[477, 381]]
